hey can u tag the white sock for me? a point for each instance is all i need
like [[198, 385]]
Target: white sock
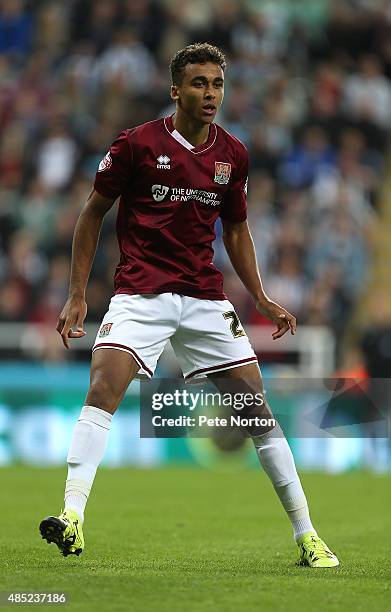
[[86, 451], [277, 460]]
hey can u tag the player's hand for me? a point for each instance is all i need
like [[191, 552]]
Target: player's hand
[[73, 313], [284, 320]]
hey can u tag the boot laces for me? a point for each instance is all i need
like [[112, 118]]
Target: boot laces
[[316, 548]]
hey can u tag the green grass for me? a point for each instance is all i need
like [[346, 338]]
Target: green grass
[[187, 539]]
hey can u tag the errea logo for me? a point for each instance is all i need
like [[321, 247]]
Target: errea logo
[[163, 162]]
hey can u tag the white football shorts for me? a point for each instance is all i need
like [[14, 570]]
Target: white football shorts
[[206, 335]]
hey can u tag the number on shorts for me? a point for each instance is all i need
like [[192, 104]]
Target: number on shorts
[[235, 324]]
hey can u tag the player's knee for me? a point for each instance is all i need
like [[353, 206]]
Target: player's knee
[[103, 394]]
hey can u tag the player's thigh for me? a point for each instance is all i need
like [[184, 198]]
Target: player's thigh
[[111, 373]]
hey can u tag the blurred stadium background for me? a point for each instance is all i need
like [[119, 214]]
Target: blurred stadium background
[[308, 90]]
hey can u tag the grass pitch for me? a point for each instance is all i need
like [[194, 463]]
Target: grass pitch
[[190, 539]]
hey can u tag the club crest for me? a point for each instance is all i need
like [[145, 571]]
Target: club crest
[[222, 173], [105, 330]]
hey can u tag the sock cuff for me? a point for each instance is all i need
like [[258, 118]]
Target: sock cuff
[[292, 496], [77, 485], [96, 415], [276, 433]]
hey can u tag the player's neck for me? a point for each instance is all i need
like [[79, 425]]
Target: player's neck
[[191, 130]]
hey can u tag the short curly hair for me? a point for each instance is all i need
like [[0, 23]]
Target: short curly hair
[[199, 53]]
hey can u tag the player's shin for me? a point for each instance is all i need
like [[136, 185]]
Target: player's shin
[[86, 451], [277, 460]]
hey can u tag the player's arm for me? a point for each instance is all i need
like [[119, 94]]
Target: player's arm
[[85, 241], [240, 248]]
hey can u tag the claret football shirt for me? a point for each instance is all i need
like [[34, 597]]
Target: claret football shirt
[[171, 195]]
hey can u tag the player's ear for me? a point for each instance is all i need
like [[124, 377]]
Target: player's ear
[[174, 93]]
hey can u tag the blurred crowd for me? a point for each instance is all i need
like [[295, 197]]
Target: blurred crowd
[[308, 90]]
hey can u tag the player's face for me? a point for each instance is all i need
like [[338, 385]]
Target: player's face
[[201, 92]]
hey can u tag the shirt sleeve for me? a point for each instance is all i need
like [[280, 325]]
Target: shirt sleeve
[[234, 204], [113, 174]]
